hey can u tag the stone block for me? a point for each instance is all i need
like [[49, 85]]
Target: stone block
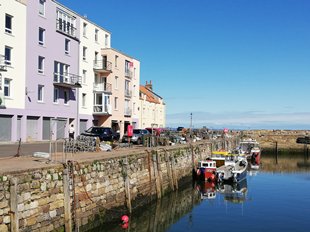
[[4, 228]]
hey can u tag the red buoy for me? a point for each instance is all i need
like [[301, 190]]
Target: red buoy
[[124, 219]]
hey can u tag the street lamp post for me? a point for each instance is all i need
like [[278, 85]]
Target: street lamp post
[[191, 125]]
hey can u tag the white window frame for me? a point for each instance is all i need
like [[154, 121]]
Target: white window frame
[[84, 100], [41, 61], [96, 35], [41, 33], [66, 97], [115, 103], [42, 7], [106, 40], [84, 76], [116, 60], [84, 53], [116, 82], [84, 29], [7, 85], [7, 29], [67, 46], [56, 96], [40, 93], [8, 61]]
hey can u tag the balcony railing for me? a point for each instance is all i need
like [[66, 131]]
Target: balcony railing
[[103, 66], [128, 93], [68, 80], [127, 111], [3, 64], [66, 27], [103, 109], [103, 87], [129, 74], [2, 100]]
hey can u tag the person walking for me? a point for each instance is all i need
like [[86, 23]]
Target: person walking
[[71, 132]]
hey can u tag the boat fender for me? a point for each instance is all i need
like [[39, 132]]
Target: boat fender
[[198, 172]]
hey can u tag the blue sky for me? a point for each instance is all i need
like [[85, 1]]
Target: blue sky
[[232, 63]]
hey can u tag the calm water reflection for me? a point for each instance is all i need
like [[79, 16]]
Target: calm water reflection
[[275, 198]]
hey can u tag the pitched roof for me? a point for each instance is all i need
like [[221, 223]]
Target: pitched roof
[[150, 95]]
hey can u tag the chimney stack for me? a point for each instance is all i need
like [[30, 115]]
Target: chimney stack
[[149, 85]]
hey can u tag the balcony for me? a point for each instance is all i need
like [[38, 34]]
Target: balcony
[[66, 28], [103, 87], [127, 112], [129, 74], [102, 109], [2, 100], [103, 67], [67, 80], [3, 64], [128, 93]]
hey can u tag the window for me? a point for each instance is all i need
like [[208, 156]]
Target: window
[[116, 59], [83, 99], [96, 35], [41, 64], [84, 29], [42, 7], [8, 23], [41, 36], [66, 97], [7, 87], [56, 95], [106, 40], [66, 23], [116, 82], [115, 103], [96, 57], [61, 73], [7, 55], [67, 46], [84, 53], [84, 76], [40, 93]]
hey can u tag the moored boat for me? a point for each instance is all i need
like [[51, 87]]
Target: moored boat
[[206, 170], [232, 172]]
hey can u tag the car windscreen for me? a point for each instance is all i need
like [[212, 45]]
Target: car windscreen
[[135, 131]]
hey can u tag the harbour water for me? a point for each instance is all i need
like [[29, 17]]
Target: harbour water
[[274, 198]]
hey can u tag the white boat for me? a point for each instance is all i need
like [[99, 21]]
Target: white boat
[[248, 147], [233, 171]]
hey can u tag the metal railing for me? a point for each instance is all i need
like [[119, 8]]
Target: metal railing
[[128, 93], [102, 109], [103, 87], [65, 27], [67, 78], [128, 111], [103, 65], [3, 64]]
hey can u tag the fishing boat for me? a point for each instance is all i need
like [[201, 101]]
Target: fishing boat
[[251, 149], [206, 170], [233, 171]]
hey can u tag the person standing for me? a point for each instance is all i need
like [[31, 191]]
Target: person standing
[[71, 132]]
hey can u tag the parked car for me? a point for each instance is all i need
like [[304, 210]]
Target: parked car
[[104, 133], [137, 136]]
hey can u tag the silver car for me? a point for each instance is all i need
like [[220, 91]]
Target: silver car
[[137, 136]]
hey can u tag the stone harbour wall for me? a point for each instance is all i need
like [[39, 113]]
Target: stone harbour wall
[[75, 194]]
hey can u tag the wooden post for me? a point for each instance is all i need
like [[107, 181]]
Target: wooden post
[[171, 182], [174, 177], [13, 206], [157, 184], [277, 151], [127, 186], [67, 200], [160, 175]]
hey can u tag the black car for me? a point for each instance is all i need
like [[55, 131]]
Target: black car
[[104, 133]]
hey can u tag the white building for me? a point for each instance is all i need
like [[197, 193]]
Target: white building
[[152, 108]]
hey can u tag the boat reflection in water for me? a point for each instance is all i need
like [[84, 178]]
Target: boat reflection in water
[[234, 192]]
